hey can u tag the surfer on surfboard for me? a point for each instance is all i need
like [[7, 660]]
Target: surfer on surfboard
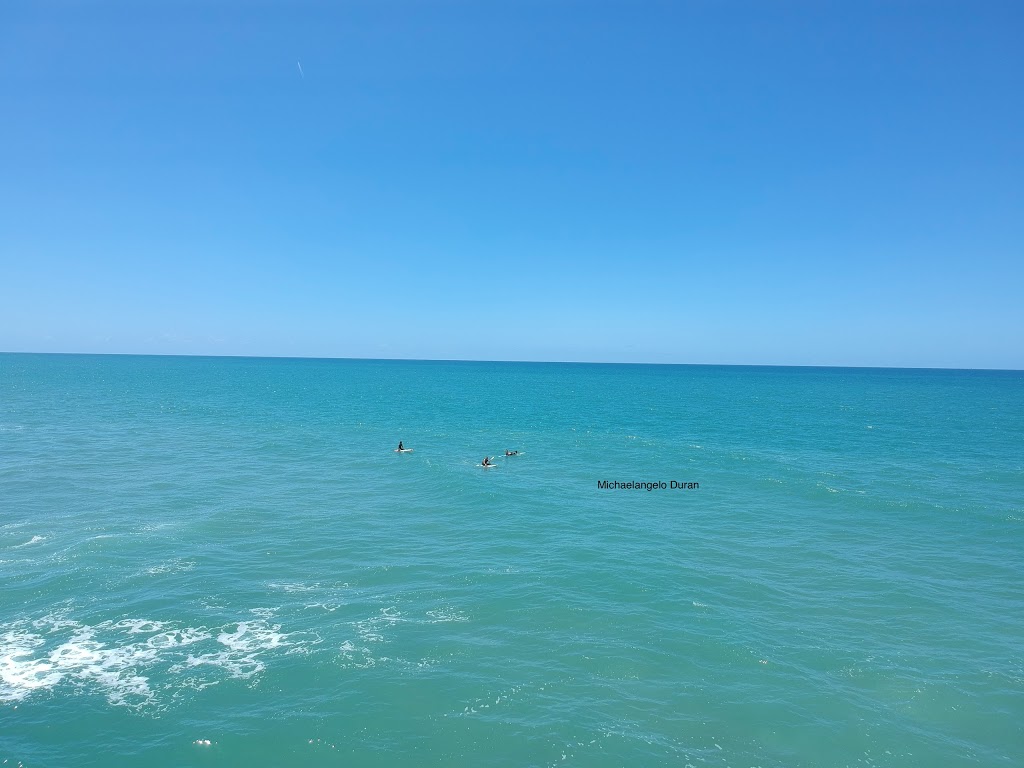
[[511, 453], [486, 462]]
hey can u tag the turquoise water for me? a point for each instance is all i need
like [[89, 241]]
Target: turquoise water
[[228, 550]]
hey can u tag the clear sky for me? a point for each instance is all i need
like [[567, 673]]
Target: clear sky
[[807, 183]]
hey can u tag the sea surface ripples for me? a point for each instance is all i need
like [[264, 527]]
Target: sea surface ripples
[[223, 562]]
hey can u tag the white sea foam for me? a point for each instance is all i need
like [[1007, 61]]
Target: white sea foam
[[237, 666], [150, 527], [240, 658], [20, 672], [177, 638], [135, 626], [89, 663], [120, 659], [372, 629], [444, 615], [247, 637], [246, 645], [171, 566], [294, 587], [33, 540], [369, 631], [359, 657], [328, 607]]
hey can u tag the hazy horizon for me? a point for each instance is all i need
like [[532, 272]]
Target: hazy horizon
[[512, 362]]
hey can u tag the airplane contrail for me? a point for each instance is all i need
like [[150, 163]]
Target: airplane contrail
[[301, 73]]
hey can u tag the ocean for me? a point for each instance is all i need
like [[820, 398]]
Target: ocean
[[224, 562]]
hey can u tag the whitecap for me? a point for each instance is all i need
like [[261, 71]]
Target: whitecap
[[30, 542]]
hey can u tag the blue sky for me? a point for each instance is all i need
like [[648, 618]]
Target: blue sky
[[688, 182]]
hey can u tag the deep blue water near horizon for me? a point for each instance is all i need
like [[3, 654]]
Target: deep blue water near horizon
[[228, 550]]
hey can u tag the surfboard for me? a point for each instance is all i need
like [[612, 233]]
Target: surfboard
[[404, 450]]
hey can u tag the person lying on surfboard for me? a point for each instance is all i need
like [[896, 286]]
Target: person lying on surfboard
[[511, 453]]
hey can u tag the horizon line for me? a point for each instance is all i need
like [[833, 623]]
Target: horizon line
[[537, 362]]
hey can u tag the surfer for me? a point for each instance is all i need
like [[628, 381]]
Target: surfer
[[400, 446], [511, 453], [486, 462]]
